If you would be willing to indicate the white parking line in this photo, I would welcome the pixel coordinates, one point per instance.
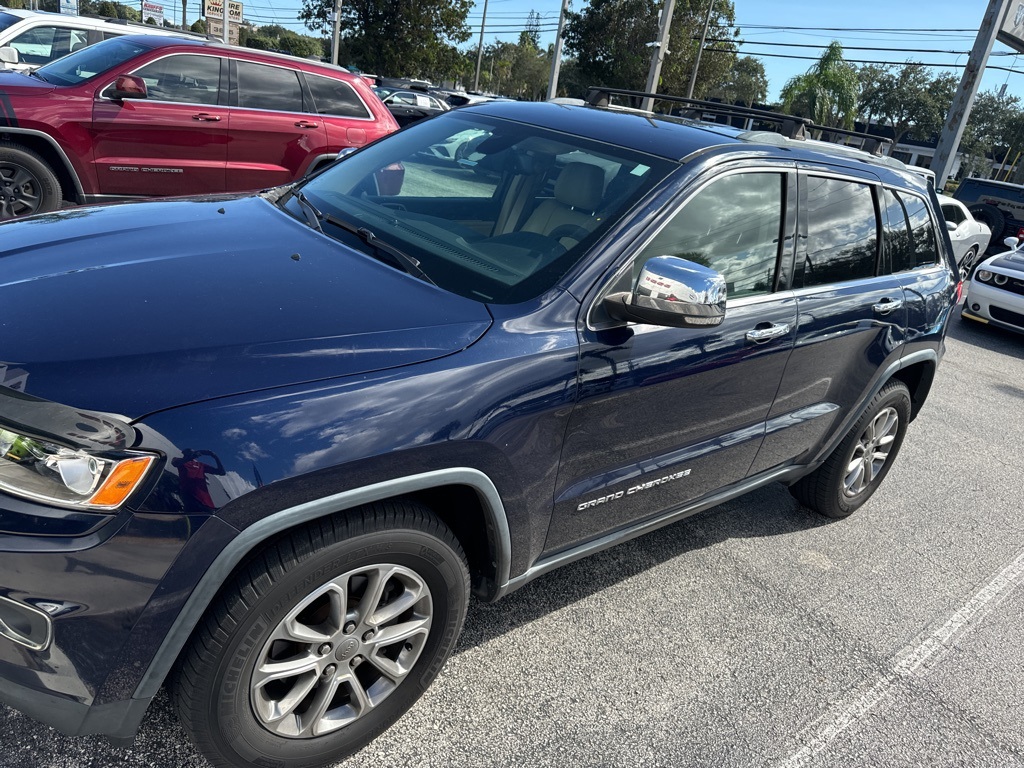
(914, 660)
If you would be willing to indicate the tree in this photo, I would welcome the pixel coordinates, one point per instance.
(610, 41)
(745, 83)
(827, 92)
(911, 100)
(399, 39)
(869, 76)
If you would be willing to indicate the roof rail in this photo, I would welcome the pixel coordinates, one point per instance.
(792, 127)
(872, 143)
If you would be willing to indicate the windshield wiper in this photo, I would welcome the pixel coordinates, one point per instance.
(313, 216)
(398, 258)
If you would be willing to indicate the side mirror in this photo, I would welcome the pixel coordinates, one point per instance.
(127, 87)
(1011, 242)
(951, 226)
(8, 55)
(673, 292)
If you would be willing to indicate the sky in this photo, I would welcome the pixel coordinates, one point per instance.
(940, 32)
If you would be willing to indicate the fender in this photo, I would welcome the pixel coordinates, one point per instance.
(255, 534)
(68, 165)
(883, 377)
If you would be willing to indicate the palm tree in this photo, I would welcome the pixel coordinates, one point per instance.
(827, 92)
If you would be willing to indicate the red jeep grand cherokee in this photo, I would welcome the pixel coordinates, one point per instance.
(143, 115)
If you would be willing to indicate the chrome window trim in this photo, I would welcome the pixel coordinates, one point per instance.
(784, 167)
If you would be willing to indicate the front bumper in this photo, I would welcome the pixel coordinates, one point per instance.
(989, 304)
(111, 596)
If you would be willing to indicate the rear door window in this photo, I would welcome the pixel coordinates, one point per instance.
(264, 87)
(842, 233)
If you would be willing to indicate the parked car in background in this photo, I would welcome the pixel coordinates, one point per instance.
(35, 38)
(997, 204)
(409, 106)
(144, 116)
(283, 437)
(970, 238)
(995, 294)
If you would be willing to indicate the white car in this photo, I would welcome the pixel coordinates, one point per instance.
(969, 236)
(30, 39)
(995, 294)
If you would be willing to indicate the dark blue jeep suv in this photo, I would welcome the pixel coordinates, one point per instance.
(263, 448)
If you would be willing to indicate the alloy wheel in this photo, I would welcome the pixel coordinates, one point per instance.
(871, 451)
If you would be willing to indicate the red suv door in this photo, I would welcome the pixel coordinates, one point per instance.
(275, 131)
(173, 142)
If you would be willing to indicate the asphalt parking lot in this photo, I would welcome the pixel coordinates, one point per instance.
(755, 634)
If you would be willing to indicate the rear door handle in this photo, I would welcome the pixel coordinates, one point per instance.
(887, 305)
(306, 124)
(206, 117)
(770, 331)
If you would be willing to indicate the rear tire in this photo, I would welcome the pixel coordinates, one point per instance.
(324, 640)
(857, 467)
(967, 264)
(27, 183)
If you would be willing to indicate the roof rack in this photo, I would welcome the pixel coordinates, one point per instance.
(791, 126)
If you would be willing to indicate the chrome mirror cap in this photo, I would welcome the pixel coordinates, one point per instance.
(674, 292)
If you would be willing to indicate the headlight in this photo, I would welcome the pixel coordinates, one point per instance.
(55, 474)
(984, 275)
(1000, 279)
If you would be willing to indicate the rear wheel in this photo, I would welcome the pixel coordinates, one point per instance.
(324, 640)
(968, 263)
(27, 184)
(857, 467)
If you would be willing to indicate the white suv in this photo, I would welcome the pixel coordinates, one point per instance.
(30, 39)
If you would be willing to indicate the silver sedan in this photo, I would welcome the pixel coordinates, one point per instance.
(969, 236)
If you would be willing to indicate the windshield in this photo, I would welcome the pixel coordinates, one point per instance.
(89, 62)
(491, 209)
(7, 19)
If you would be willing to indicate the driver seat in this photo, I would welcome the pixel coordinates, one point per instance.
(569, 215)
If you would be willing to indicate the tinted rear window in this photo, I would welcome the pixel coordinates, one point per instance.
(334, 97)
(265, 87)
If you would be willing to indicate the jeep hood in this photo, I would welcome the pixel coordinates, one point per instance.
(18, 84)
(135, 308)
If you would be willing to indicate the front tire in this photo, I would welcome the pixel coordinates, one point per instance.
(857, 467)
(325, 639)
(27, 184)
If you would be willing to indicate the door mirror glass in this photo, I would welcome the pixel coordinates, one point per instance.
(674, 292)
(128, 87)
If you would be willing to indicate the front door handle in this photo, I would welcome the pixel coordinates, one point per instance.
(887, 305)
(206, 117)
(767, 331)
(306, 124)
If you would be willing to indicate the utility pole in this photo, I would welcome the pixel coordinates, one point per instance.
(960, 109)
(336, 37)
(658, 56)
(184, 18)
(556, 60)
(700, 50)
(480, 50)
